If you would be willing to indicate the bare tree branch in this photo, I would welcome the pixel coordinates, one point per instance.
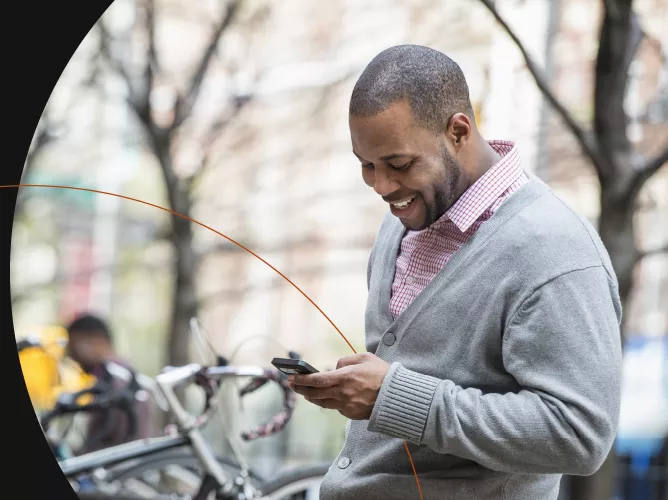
(217, 127)
(138, 103)
(651, 166)
(185, 104)
(653, 251)
(656, 45)
(107, 51)
(150, 68)
(583, 137)
(654, 164)
(620, 38)
(49, 130)
(212, 134)
(152, 53)
(43, 137)
(277, 282)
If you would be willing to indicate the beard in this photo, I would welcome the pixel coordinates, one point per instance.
(446, 193)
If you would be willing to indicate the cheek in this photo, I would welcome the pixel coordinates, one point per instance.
(368, 176)
(421, 181)
(82, 351)
(435, 180)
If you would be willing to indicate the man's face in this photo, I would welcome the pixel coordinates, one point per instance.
(84, 350)
(404, 162)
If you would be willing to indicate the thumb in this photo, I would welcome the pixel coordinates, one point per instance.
(353, 359)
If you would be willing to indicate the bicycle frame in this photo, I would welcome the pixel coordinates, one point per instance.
(187, 426)
(72, 467)
(168, 381)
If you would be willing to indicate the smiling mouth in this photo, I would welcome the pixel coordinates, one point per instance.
(402, 205)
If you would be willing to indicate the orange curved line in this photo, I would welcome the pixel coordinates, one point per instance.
(230, 240)
(410, 457)
(198, 223)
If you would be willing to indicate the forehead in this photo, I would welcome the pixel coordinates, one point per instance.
(391, 131)
(85, 335)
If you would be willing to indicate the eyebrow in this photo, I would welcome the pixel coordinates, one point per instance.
(387, 157)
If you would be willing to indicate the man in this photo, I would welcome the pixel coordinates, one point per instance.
(90, 344)
(492, 321)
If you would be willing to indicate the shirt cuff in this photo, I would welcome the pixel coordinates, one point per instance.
(403, 403)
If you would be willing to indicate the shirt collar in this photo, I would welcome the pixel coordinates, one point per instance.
(483, 192)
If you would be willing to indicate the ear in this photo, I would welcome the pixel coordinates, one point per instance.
(459, 130)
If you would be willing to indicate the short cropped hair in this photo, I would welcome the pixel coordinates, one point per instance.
(89, 324)
(431, 82)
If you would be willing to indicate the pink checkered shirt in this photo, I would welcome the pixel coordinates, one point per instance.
(424, 253)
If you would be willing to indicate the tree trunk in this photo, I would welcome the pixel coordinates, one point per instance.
(616, 228)
(184, 305)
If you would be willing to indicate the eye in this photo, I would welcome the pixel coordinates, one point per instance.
(402, 167)
(367, 165)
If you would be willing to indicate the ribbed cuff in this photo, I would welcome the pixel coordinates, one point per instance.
(403, 403)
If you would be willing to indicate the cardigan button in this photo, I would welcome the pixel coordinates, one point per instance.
(343, 462)
(389, 339)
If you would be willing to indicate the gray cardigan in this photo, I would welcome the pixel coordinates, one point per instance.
(505, 371)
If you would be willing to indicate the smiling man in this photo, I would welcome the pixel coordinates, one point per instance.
(492, 320)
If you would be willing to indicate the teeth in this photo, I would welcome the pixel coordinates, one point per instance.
(402, 204)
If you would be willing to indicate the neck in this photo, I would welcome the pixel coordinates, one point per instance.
(486, 158)
(483, 157)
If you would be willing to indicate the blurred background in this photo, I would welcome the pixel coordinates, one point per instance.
(234, 113)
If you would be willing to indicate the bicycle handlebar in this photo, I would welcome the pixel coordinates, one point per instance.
(278, 421)
(106, 397)
(208, 377)
(67, 404)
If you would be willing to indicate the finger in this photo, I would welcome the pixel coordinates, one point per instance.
(325, 379)
(328, 404)
(353, 359)
(319, 392)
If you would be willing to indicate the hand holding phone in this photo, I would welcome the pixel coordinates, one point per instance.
(293, 366)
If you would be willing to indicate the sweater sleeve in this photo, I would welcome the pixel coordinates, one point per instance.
(563, 348)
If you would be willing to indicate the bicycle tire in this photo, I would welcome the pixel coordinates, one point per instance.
(290, 485)
(96, 495)
(179, 458)
(170, 457)
(302, 483)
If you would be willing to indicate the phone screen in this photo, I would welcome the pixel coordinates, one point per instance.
(293, 371)
(292, 367)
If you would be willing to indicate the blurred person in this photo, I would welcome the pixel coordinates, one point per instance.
(493, 314)
(90, 344)
(47, 372)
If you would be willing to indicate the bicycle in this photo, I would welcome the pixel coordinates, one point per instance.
(100, 397)
(182, 465)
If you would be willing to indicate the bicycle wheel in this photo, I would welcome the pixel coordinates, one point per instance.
(174, 474)
(299, 484)
(177, 475)
(97, 495)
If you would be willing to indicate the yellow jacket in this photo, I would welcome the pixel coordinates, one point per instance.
(47, 371)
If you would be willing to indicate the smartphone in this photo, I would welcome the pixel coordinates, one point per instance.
(293, 366)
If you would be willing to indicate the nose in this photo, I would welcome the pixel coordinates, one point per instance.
(383, 183)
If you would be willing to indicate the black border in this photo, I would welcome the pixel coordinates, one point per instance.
(50, 33)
